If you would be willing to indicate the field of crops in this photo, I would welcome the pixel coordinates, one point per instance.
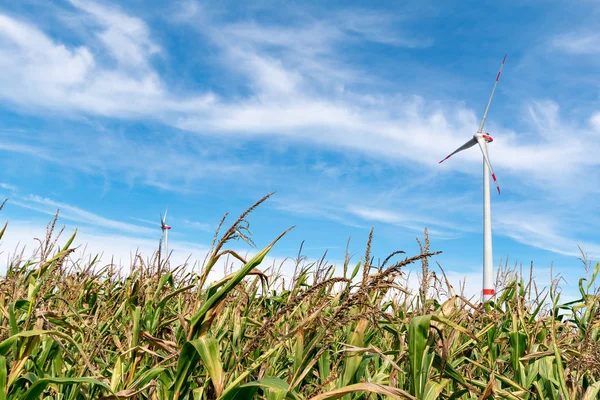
(80, 330)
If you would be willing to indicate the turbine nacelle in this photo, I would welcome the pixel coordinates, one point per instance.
(482, 140)
(484, 136)
(163, 221)
(165, 230)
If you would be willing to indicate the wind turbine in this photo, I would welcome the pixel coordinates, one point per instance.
(165, 230)
(482, 140)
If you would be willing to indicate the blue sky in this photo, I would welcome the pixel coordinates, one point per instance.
(111, 111)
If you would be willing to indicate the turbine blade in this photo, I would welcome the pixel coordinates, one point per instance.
(465, 146)
(166, 211)
(491, 96)
(486, 157)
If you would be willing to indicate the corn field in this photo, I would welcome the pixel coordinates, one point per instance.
(77, 329)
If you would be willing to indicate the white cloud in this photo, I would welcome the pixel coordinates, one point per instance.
(127, 38)
(294, 72)
(202, 226)
(76, 214)
(379, 28)
(436, 227)
(114, 246)
(595, 121)
(8, 187)
(578, 43)
(41, 73)
(544, 232)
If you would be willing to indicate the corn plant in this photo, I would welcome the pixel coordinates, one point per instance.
(76, 329)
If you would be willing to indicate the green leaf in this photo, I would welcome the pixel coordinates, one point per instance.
(324, 367)
(240, 393)
(518, 343)
(433, 389)
(355, 271)
(210, 353)
(3, 375)
(70, 241)
(454, 325)
(447, 369)
(418, 332)
(594, 275)
(198, 318)
(7, 343)
(274, 388)
(117, 375)
(3, 230)
(357, 339)
(368, 387)
(208, 350)
(38, 387)
(135, 334)
(187, 357)
(592, 392)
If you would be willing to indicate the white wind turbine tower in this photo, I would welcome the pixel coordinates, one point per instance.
(165, 231)
(482, 140)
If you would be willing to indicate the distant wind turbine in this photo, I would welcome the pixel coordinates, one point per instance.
(165, 231)
(482, 140)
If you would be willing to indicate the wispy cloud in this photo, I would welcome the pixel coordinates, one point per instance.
(299, 84)
(174, 164)
(578, 43)
(126, 38)
(201, 226)
(545, 232)
(42, 73)
(78, 215)
(8, 187)
(437, 227)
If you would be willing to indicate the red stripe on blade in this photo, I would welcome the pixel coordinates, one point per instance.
(444, 160)
(489, 292)
(504, 59)
(498, 77)
(494, 176)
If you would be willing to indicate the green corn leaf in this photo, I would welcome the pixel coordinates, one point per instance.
(366, 387)
(594, 274)
(418, 332)
(3, 230)
(38, 387)
(355, 270)
(324, 367)
(592, 392)
(70, 241)
(447, 369)
(518, 342)
(454, 325)
(198, 318)
(204, 348)
(6, 344)
(117, 375)
(298, 350)
(3, 376)
(135, 333)
(357, 339)
(434, 389)
(274, 388)
(210, 353)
